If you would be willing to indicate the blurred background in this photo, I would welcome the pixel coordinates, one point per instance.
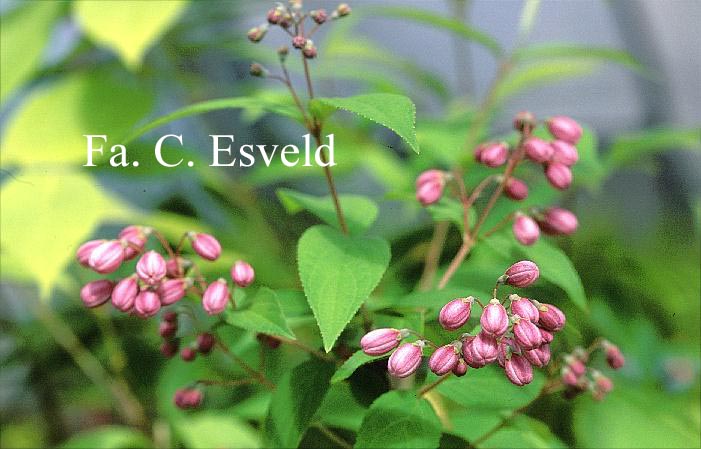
(628, 70)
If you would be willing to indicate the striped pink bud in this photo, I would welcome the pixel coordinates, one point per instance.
(205, 245)
(558, 175)
(443, 360)
(151, 268)
(107, 257)
(518, 370)
(494, 319)
(134, 239)
(96, 293)
(565, 128)
(522, 274)
(492, 154)
(564, 153)
(124, 294)
(558, 221)
(405, 360)
(539, 357)
(380, 341)
(429, 186)
(84, 251)
(460, 368)
(546, 336)
(242, 273)
(175, 267)
(455, 314)
(480, 350)
(516, 189)
(173, 290)
(538, 150)
(614, 356)
(550, 317)
(147, 304)
(524, 308)
(526, 230)
(216, 297)
(526, 334)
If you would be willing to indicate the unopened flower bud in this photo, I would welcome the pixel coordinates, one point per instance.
(258, 70)
(205, 342)
(107, 257)
(558, 221)
(405, 360)
(309, 50)
(524, 308)
(169, 348)
(173, 290)
(342, 10)
(526, 230)
(602, 386)
(188, 354)
(170, 316)
(151, 268)
(577, 366)
(551, 318)
(516, 189)
(538, 150)
(134, 239)
(494, 319)
(216, 297)
(614, 356)
(275, 15)
(569, 377)
(460, 368)
(176, 266)
(558, 175)
(480, 350)
(527, 334)
(96, 293)
(206, 246)
(256, 34)
(429, 186)
(522, 274)
(518, 370)
(282, 52)
(167, 329)
(565, 128)
(187, 398)
(124, 294)
(443, 360)
(84, 251)
(299, 41)
(147, 304)
(523, 120)
(319, 16)
(455, 314)
(546, 336)
(380, 341)
(539, 356)
(492, 154)
(564, 153)
(242, 273)
(506, 346)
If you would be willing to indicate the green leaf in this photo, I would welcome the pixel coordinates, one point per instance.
(523, 432)
(631, 147)
(98, 102)
(338, 273)
(359, 211)
(454, 26)
(358, 359)
(262, 313)
(555, 266)
(547, 51)
(250, 103)
(108, 437)
(449, 209)
(20, 51)
(392, 111)
(399, 419)
(544, 73)
(295, 401)
(128, 27)
(341, 408)
(215, 429)
(39, 245)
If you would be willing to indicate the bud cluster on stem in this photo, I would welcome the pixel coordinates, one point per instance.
(577, 377)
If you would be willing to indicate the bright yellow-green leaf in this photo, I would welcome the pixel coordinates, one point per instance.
(129, 27)
(20, 51)
(45, 217)
(50, 126)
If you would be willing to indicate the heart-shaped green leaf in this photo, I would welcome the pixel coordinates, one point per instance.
(262, 314)
(338, 273)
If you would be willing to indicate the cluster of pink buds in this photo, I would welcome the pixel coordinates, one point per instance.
(551, 221)
(157, 282)
(578, 377)
(516, 337)
(291, 18)
(188, 398)
(168, 329)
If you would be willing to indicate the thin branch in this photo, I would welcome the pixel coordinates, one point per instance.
(331, 435)
(433, 385)
(246, 367)
(433, 255)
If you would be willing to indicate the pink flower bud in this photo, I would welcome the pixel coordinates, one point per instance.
(167, 329)
(602, 383)
(187, 398)
(522, 274)
(318, 15)
(569, 377)
(559, 175)
(523, 120)
(538, 150)
(575, 365)
(506, 347)
(205, 246)
(275, 15)
(147, 304)
(443, 360)
(299, 41)
(188, 354)
(216, 297)
(565, 128)
(96, 293)
(429, 186)
(524, 308)
(256, 34)
(205, 343)
(558, 221)
(124, 294)
(309, 51)
(551, 318)
(539, 356)
(242, 273)
(380, 341)
(107, 257)
(169, 348)
(455, 314)
(492, 154)
(480, 350)
(564, 153)
(527, 334)
(518, 370)
(614, 356)
(405, 360)
(151, 268)
(175, 267)
(494, 319)
(173, 290)
(133, 239)
(170, 316)
(516, 189)
(546, 336)
(83, 253)
(460, 368)
(526, 230)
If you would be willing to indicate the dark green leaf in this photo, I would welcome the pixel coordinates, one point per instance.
(355, 361)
